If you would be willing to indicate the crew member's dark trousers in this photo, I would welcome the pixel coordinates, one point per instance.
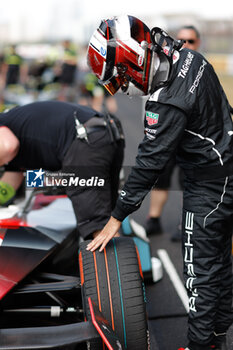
(98, 163)
(207, 242)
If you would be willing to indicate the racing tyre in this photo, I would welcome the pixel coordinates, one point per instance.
(113, 279)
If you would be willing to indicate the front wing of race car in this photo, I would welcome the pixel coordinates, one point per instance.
(40, 260)
(47, 337)
(62, 335)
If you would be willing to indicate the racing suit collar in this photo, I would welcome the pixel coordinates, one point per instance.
(162, 73)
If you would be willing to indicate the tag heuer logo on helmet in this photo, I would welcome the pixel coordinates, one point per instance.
(152, 118)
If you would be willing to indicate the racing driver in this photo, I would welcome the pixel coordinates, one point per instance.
(187, 112)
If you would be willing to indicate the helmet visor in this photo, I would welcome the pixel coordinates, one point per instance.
(114, 84)
(119, 80)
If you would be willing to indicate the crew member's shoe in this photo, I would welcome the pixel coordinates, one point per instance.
(193, 346)
(218, 343)
(153, 226)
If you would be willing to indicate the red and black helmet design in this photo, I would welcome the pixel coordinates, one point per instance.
(118, 54)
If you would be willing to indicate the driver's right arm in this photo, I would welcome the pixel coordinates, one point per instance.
(9, 145)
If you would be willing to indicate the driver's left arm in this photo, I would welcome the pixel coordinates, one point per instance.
(164, 128)
(158, 146)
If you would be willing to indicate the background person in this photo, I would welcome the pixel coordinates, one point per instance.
(68, 71)
(94, 95)
(191, 36)
(14, 70)
(177, 118)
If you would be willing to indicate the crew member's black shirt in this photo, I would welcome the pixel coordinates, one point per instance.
(45, 131)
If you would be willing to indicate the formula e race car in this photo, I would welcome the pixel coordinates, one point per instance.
(56, 294)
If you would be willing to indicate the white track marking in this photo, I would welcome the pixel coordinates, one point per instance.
(174, 277)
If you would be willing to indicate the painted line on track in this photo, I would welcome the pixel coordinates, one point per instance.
(174, 277)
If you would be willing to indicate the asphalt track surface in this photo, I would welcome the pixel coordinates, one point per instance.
(167, 308)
